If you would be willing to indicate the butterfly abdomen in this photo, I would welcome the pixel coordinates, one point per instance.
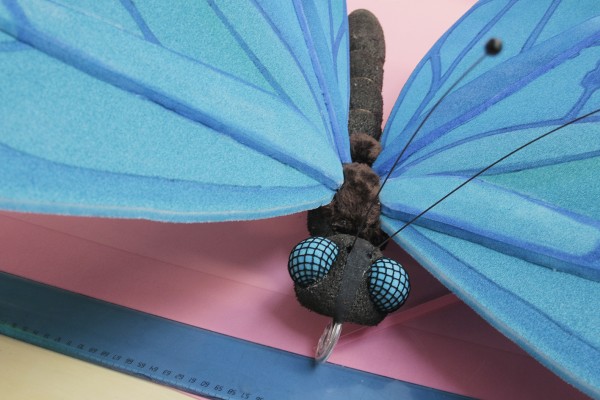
(347, 212)
(367, 55)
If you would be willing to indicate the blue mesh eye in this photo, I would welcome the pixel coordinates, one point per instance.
(311, 260)
(388, 285)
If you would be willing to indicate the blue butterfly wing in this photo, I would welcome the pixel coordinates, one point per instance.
(550, 34)
(521, 243)
(112, 109)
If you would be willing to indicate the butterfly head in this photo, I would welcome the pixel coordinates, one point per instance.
(348, 283)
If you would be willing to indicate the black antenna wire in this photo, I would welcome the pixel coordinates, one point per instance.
(492, 48)
(486, 169)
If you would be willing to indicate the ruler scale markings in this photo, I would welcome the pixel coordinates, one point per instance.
(178, 355)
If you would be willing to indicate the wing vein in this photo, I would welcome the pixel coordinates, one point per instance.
(540, 26)
(139, 21)
(438, 82)
(255, 60)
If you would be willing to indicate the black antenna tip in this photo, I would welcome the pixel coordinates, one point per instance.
(493, 46)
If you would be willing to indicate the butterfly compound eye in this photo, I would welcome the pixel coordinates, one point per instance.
(388, 285)
(311, 260)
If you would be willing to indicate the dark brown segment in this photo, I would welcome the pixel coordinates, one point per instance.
(367, 55)
(318, 221)
(364, 148)
(345, 214)
(366, 33)
(364, 121)
(362, 65)
(343, 293)
(364, 94)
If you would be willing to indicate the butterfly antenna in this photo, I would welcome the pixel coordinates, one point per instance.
(492, 48)
(486, 169)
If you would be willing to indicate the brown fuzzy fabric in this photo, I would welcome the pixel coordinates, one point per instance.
(345, 214)
(364, 149)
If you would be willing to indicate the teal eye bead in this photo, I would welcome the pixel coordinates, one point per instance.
(388, 285)
(311, 260)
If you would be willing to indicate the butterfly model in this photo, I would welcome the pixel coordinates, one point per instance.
(217, 110)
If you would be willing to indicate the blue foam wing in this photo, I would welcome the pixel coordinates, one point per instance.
(521, 243)
(496, 97)
(110, 109)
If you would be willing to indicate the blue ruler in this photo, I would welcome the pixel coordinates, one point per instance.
(178, 355)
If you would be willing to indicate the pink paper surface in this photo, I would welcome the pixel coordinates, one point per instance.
(232, 277)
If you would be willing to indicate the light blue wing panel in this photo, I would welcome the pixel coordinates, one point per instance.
(520, 223)
(327, 28)
(546, 74)
(521, 243)
(99, 117)
(552, 315)
(268, 43)
(333, 15)
(522, 249)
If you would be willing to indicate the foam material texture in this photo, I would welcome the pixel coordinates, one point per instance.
(501, 219)
(551, 314)
(111, 109)
(95, 97)
(521, 243)
(532, 86)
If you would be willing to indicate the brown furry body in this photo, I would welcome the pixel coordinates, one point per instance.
(346, 214)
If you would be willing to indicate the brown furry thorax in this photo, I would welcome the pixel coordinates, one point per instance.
(347, 213)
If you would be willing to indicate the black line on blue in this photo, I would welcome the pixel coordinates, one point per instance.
(513, 299)
(389, 173)
(483, 170)
(500, 131)
(436, 50)
(476, 40)
(444, 79)
(460, 119)
(459, 58)
(505, 169)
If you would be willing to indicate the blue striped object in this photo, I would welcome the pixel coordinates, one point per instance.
(184, 357)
